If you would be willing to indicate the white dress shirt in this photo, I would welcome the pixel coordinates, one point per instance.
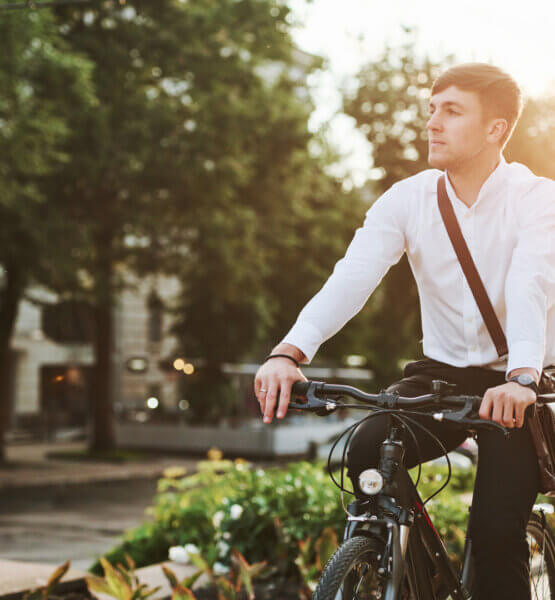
(510, 232)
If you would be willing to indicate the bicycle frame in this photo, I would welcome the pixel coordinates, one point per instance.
(405, 529)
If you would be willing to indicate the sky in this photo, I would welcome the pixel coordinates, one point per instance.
(519, 37)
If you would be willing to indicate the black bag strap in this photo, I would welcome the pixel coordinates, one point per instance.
(469, 269)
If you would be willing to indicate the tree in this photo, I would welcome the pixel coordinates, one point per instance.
(158, 169)
(40, 77)
(533, 140)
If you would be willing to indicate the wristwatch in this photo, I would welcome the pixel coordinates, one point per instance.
(526, 380)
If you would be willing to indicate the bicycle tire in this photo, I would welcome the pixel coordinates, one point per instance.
(541, 545)
(340, 576)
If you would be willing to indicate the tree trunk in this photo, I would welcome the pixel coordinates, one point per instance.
(102, 437)
(9, 303)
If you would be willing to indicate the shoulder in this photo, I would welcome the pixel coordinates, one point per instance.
(526, 185)
(422, 182)
(400, 201)
(533, 197)
(410, 190)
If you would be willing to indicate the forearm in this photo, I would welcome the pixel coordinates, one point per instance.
(291, 350)
(528, 370)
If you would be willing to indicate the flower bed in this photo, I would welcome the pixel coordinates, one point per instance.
(275, 515)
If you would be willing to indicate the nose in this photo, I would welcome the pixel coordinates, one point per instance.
(433, 123)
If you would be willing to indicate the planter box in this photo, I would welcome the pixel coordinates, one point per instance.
(250, 439)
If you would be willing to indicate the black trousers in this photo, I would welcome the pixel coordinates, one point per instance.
(507, 478)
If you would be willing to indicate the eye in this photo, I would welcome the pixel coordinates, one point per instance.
(452, 112)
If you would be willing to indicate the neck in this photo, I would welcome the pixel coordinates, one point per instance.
(468, 177)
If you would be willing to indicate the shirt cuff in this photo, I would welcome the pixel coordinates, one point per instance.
(524, 354)
(305, 337)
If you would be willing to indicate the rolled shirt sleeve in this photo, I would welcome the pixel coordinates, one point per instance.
(530, 283)
(376, 246)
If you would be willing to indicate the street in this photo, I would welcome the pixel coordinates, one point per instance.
(76, 522)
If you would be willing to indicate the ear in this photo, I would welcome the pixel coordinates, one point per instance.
(497, 129)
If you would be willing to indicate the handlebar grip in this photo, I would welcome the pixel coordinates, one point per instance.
(300, 388)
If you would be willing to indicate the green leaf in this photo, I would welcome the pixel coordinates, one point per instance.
(325, 547)
(56, 577)
(225, 589)
(181, 593)
(99, 585)
(120, 588)
(188, 582)
(170, 576)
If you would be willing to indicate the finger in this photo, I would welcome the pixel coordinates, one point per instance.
(271, 396)
(497, 412)
(520, 409)
(284, 397)
(260, 386)
(508, 413)
(485, 406)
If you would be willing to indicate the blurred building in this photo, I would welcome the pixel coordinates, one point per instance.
(52, 386)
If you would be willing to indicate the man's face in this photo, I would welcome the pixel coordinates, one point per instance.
(457, 130)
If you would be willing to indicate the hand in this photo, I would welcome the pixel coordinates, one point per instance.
(506, 402)
(275, 376)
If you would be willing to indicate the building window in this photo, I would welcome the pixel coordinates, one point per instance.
(155, 317)
(68, 322)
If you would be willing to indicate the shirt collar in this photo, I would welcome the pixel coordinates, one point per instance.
(491, 186)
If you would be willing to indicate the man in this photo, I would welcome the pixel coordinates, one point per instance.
(507, 217)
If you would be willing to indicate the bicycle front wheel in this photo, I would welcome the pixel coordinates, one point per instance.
(542, 559)
(351, 572)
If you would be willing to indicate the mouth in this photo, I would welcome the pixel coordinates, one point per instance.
(436, 143)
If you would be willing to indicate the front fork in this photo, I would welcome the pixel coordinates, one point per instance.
(393, 528)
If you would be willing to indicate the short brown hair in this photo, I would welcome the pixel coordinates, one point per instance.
(498, 92)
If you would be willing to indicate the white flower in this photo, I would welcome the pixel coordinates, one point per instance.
(222, 548)
(226, 535)
(236, 511)
(218, 518)
(260, 472)
(220, 569)
(182, 554)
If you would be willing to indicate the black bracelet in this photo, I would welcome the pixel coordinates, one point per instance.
(282, 356)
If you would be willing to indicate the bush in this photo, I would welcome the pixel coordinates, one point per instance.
(266, 514)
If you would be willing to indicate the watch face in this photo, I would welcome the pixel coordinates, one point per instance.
(525, 379)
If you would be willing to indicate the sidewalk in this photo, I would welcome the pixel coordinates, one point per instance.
(29, 467)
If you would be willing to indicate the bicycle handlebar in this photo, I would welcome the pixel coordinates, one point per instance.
(319, 395)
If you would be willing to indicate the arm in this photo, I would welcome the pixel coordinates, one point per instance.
(529, 290)
(530, 284)
(377, 245)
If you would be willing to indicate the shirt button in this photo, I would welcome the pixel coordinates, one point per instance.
(469, 319)
(473, 348)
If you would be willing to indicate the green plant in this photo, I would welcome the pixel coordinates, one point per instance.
(312, 559)
(45, 592)
(275, 515)
(228, 586)
(120, 582)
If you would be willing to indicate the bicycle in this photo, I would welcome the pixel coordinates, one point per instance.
(390, 548)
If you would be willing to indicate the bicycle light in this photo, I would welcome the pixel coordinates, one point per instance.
(370, 481)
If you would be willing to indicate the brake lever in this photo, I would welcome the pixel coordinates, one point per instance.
(462, 417)
(315, 404)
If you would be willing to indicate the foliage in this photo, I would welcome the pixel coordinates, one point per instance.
(120, 582)
(289, 517)
(313, 557)
(533, 140)
(41, 80)
(45, 592)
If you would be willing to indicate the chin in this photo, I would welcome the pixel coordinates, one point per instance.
(437, 162)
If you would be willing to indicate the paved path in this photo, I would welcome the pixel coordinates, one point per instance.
(52, 510)
(28, 466)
